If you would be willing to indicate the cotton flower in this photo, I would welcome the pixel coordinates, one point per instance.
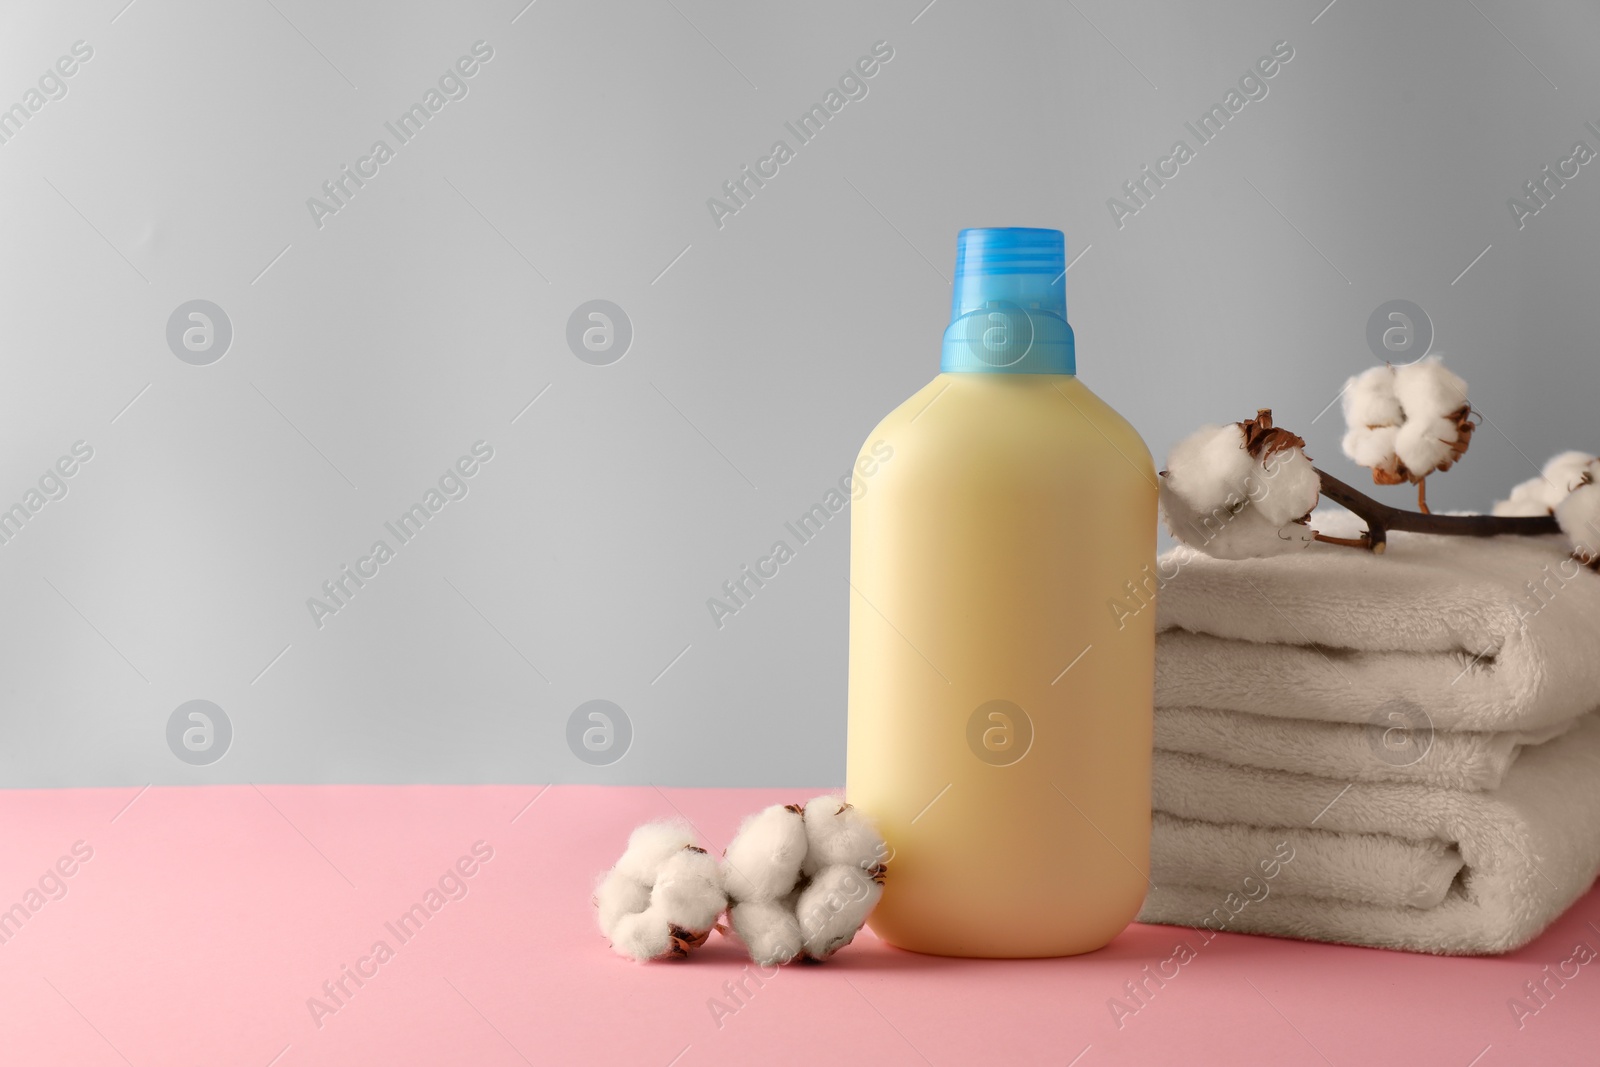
(763, 860)
(1569, 489)
(1579, 516)
(768, 928)
(802, 880)
(837, 834)
(1373, 414)
(1541, 494)
(760, 869)
(834, 906)
(845, 864)
(1210, 467)
(1406, 422)
(1241, 490)
(663, 897)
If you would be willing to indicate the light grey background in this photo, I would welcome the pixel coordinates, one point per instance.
(369, 354)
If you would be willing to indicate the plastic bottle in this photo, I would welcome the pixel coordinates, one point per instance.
(1002, 631)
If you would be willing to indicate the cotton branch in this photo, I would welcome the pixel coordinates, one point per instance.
(1247, 489)
(1381, 518)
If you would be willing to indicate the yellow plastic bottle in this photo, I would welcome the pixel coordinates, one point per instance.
(1002, 631)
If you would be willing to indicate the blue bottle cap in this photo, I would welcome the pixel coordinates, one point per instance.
(1008, 305)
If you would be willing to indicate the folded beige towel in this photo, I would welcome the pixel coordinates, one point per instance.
(1527, 849)
(1377, 752)
(1367, 868)
(1475, 633)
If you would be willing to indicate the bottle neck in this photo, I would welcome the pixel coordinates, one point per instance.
(1003, 338)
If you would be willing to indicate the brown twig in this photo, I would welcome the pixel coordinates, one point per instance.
(1381, 518)
(1349, 542)
(1422, 496)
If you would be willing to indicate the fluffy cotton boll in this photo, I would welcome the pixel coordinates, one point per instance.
(1539, 496)
(1532, 497)
(1369, 399)
(1564, 473)
(1288, 487)
(838, 833)
(1210, 466)
(1426, 444)
(1371, 446)
(1373, 416)
(1428, 389)
(618, 895)
(688, 891)
(1579, 516)
(834, 907)
(1250, 535)
(650, 846)
(642, 936)
(1404, 423)
(769, 930)
(1522, 503)
(663, 896)
(1224, 534)
(1188, 524)
(762, 862)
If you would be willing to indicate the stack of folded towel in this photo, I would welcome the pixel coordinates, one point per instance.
(1413, 731)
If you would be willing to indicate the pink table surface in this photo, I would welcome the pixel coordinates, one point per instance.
(207, 917)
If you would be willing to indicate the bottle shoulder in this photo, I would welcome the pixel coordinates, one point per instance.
(990, 418)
